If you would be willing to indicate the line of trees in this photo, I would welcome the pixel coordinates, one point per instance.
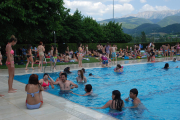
(34, 21)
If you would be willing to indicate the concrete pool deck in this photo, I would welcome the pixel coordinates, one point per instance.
(12, 105)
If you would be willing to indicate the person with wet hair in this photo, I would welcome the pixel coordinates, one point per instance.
(67, 70)
(45, 82)
(81, 78)
(166, 66)
(116, 103)
(10, 62)
(88, 90)
(65, 85)
(83, 70)
(133, 95)
(118, 69)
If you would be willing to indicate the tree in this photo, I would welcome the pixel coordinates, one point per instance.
(30, 20)
(143, 37)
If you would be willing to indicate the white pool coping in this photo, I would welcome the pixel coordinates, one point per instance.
(54, 107)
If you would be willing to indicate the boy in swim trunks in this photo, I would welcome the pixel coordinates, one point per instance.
(133, 94)
(88, 89)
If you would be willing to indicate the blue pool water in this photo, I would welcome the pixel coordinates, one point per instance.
(159, 89)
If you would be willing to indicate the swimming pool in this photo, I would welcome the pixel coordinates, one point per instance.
(159, 89)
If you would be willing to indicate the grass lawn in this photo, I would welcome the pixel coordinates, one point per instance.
(91, 60)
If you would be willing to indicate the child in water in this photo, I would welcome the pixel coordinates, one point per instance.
(88, 89)
(133, 94)
(118, 69)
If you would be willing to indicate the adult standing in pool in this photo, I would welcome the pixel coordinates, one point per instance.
(81, 78)
(80, 55)
(65, 85)
(29, 58)
(41, 50)
(10, 62)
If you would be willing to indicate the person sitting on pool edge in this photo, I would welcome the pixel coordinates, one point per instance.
(81, 78)
(45, 82)
(116, 103)
(119, 69)
(34, 90)
(133, 94)
(65, 85)
(88, 90)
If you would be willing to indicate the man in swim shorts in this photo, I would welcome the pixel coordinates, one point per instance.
(114, 48)
(133, 94)
(65, 85)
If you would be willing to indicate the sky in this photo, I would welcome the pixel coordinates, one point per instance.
(103, 9)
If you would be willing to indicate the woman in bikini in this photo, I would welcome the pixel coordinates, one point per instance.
(10, 62)
(29, 57)
(41, 50)
(80, 55)
(81, 78)
(34, 90)
(45, 82)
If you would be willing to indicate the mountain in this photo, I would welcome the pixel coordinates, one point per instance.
(155, 20)
(177, 14)
(147, 28)
(169, 20)
(154, 14)
(129, 22)
(175, 28)
(153, 28)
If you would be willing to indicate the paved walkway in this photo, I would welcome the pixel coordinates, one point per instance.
(12, 106)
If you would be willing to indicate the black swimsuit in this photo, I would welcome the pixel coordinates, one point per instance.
(28, 56)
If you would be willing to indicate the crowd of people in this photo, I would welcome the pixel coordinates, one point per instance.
(35, 86)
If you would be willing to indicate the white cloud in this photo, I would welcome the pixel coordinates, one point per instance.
(142, 1)
(97, 9)
(148, 7)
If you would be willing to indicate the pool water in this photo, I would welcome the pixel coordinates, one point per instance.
(159, 89)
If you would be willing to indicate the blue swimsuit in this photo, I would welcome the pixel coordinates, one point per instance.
(33, 106)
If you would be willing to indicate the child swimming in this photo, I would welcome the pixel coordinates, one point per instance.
(133, 94)
(88, 89)
(118, 69)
